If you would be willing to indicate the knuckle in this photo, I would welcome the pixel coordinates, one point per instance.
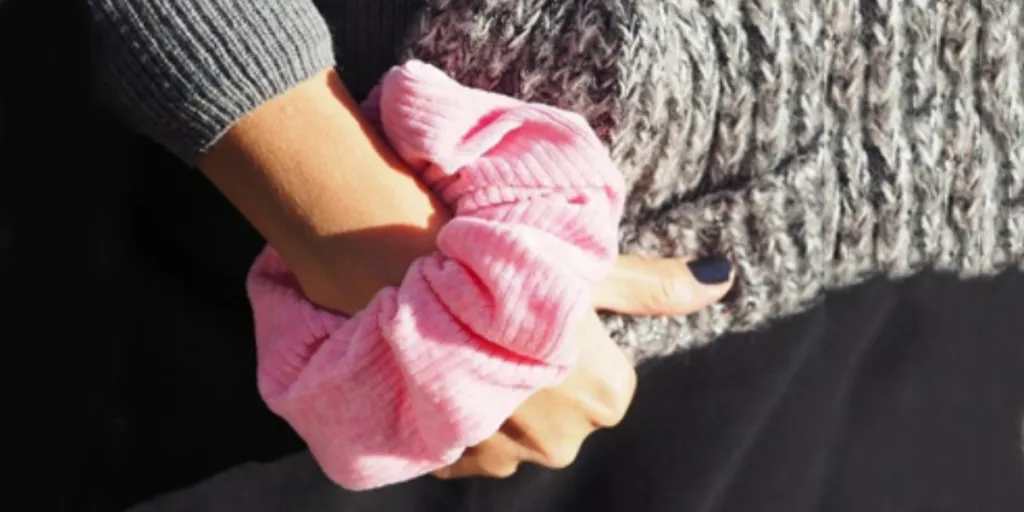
(664, 294)
(503, 469)
(562, 454)
(615, 400)
(618, 412)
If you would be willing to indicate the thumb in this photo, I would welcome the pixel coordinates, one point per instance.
(640, 285)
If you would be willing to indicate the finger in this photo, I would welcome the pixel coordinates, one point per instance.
(554, 423)
(604, 381)
(550, 429)
(640, 285)
(496, 457)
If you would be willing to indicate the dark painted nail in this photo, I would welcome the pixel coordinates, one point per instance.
(711, 270)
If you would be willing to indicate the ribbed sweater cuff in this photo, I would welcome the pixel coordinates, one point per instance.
(184, 71)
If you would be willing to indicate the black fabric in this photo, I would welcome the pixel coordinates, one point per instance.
(128, 334)
(367, 35)
(122, 279)
(887, 397)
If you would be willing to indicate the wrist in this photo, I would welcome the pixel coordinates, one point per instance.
(309, 172)
(343, 272)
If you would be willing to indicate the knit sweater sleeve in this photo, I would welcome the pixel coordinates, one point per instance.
(182, 72)
(438, 363)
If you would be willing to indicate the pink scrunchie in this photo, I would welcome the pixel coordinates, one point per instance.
(438, 363)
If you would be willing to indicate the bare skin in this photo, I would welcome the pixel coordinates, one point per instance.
(311, 175)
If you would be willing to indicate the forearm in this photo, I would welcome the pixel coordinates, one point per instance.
(437, 363)
(320, 185)
(183, 71)
(243, 89)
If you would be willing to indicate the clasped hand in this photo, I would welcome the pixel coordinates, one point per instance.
(551, 426)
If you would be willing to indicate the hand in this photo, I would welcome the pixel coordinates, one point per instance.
(290, 167)
(285, 165)
(551, 426)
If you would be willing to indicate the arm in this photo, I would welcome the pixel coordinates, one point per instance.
(217, 82)
(341, 211)
(246, 91)
(311, 175)
(436, 364)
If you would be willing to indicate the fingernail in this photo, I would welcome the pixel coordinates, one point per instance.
(711, 270)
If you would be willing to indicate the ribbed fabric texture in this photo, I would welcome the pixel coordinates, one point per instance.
(815, 144)
(437, 364)
(184, 71)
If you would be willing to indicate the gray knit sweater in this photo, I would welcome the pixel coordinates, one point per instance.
(815, 143)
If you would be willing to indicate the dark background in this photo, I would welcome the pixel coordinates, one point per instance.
(131, 351)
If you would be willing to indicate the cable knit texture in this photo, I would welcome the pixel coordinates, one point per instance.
(437, 364)
(815, 143)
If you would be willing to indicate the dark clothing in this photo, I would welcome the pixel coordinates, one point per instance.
(887, 397)
(125, 273)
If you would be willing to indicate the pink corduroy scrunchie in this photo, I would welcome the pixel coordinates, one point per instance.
(438, 363)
